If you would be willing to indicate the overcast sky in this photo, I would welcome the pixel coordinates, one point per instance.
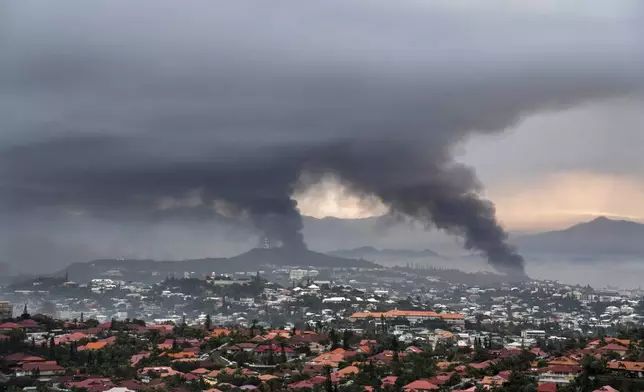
(139, 112)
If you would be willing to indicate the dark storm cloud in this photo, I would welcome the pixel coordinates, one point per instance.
(110, 108)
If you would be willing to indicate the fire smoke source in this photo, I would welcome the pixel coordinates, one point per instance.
(119, 113)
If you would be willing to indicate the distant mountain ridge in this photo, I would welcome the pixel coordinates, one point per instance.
(370, 251)
(601, 236)
(253, 260)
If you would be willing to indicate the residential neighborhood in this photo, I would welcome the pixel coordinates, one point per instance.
(369, 330)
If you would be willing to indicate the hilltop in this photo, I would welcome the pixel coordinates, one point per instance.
(253, 260)
(601, 236)
(369, 252)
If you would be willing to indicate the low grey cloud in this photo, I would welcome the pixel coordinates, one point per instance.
(109, 109)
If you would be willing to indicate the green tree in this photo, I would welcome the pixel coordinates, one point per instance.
(346, 339)
(208, 322)
(328, 383)
(333, 337)
(52, 349)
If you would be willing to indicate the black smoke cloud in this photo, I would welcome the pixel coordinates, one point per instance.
(119, 110)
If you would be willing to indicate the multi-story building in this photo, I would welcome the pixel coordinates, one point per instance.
(6, 310)
(413, 316)
(533, 334)
(301, 274)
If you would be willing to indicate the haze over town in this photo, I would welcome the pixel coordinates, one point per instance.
(229, 126)
(321, 195)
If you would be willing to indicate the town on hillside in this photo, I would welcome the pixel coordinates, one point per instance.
(336, 329)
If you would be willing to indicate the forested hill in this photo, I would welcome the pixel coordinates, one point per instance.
(253, 260)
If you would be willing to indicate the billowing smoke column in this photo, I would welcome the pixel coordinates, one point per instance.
(424, 184)
(113, 111)
(280, 222)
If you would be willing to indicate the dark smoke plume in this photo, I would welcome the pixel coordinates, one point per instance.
(136, 110)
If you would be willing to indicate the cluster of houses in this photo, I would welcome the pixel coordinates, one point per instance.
(259, 356)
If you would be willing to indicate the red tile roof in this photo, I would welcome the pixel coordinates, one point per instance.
(16, 357)
(563, 369)
(45, 366)
(420, 385)
(613, 347)
(10, 326)
(626, 365)
(547, 387)
(389, 380)
(606, 388)
(308, 384)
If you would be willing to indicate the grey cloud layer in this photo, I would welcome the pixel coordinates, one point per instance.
(108, 108)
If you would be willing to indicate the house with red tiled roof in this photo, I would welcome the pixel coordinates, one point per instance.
(547, 387)
(163, 371)
(4, 327)
(136, 358)
(23, 357)
(389, 381)
(598, 342)
(31, 358)
(73, 337)
(480, 365)
(559, 373)
(445, 364)
(493, 380)
(332, 359)
(345, 372)
(461, 370)
(30, 325)
(93, 346)
(606, 388)
(412, 315)
(191, 377)
(453, 319)
(163, 329)
(183, 355)
(634, 368)
(563, 361)
(239, 347)
(263, 350)
(248, 372)
(364, 350)
(386, 357)
(92, 384)
(166, 345)
(307, 384)
(420, 386)
(438, 380)
(613, 348)
(44, 368)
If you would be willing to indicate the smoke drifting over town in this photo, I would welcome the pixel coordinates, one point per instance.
(132, 111)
